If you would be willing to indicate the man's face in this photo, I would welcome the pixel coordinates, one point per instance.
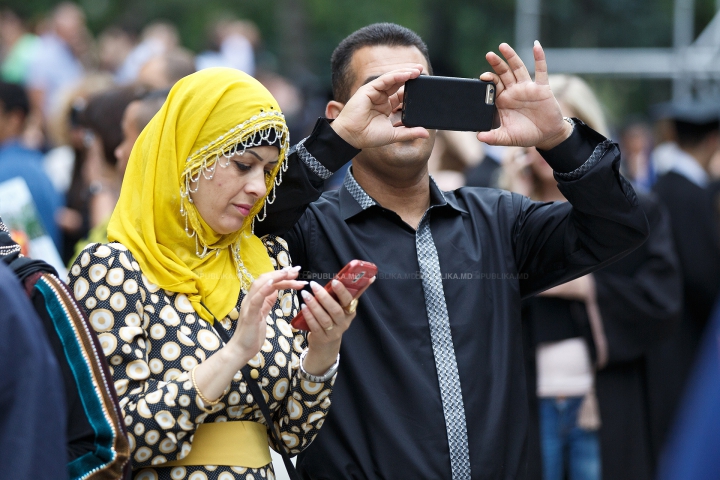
(369, 63)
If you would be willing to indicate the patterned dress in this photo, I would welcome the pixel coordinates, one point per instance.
(152, 338)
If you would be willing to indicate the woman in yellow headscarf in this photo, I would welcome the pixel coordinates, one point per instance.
(183, 270)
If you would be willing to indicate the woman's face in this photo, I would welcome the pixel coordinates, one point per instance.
(225, 200)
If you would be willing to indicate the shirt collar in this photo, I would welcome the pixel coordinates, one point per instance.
(354, 199)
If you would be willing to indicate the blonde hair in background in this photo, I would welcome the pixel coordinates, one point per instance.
(571, 92)
(576, 94)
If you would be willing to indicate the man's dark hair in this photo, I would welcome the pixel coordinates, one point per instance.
(377, 34)
(690, 135)
(13, 97)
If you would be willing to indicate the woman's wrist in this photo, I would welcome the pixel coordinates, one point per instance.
(233, 353)
(326, 375)
(319, 359)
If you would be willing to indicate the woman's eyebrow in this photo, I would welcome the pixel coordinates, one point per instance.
(256, 155)
(260, 158)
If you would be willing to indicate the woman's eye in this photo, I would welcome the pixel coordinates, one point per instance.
(242, 167)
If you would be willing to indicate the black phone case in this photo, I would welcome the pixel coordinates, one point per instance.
(448, 103)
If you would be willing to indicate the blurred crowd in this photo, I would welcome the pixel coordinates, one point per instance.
(620, 342)
(65, 98)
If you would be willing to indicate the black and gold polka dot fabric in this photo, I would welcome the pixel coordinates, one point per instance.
(152, 338)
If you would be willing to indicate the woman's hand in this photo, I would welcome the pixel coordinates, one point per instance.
(367, 119)
(251, 329)
(214, 374)
(327, 320)
(529, 114)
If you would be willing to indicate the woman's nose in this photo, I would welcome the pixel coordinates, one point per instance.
(256, 184)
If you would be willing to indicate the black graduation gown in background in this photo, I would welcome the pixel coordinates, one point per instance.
(640, 301)
(694, 228)
(639, 298)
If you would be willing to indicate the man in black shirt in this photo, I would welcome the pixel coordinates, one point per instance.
(431, 381)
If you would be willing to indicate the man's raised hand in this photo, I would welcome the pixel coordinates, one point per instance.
(529, 114)
(366, 119)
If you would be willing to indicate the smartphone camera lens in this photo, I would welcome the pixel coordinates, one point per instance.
(490, 95)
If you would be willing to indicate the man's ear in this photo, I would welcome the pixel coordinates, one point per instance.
(333, 109)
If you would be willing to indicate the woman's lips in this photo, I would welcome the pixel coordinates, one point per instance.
(244, 209)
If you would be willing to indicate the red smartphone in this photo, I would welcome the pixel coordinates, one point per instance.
(355, 275)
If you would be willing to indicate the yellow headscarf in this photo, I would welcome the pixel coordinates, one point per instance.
(207, 117)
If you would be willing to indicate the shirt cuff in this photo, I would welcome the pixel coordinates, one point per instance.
(572, 153)
(324, 151)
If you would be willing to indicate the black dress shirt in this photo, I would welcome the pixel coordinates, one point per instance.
(493, 248)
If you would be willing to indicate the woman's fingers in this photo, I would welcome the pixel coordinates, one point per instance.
(257, 294)
(267, 285)
(313, 306)
(344, 297)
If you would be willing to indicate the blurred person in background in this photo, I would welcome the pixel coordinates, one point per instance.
(233, 45)
(586, 341)
(163, 70)
(94, 443)
(487, 172)
(156, 39)
(17, 47)
(636, 143)
(61, 59)
(114, 46)
(452, 155)
(17, 160)
(102, 117)
(686, 190)
(65, 163)
(136, 116)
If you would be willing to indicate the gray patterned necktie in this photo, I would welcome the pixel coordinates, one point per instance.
(443, 351)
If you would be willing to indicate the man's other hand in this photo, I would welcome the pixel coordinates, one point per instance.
(529, 114)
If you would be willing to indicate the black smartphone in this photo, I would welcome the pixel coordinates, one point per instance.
(449, 103)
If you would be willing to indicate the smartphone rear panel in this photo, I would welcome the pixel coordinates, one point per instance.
(449, 103)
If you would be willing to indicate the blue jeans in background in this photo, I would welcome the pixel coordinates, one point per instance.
(564, 444)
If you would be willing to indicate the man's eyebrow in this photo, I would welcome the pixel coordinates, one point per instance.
(370, 79)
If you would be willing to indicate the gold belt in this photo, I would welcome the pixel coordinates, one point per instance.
(233, 444)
